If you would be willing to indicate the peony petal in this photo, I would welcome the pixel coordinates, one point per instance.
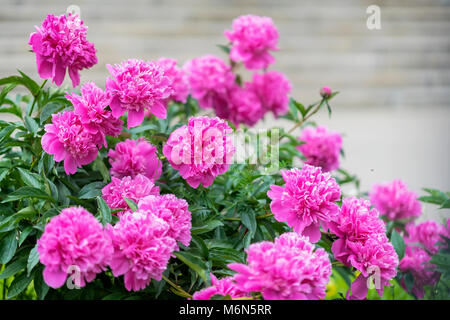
(313, 232)
(135, 118)
(116, 107)
(159, 110)
(70, 165)
(59, 72)
(359, 288)
(74, 76)
(54, 278)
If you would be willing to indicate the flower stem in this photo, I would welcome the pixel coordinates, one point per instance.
(302, 121)
(176, 287)
(36, 97)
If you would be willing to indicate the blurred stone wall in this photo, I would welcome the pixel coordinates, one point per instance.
(394, 105)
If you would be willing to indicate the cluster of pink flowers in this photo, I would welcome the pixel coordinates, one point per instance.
(133, 157)
(427, 235)
(137, 86)
(224, 287)
(307, 200)
(287, 269)
(178, 77)
(363, 244)
(321, 147)
(73, 241)
(75, 136)
(200, 150)
(60, 44)
(252, 37)
(128, 187)
(395, 201)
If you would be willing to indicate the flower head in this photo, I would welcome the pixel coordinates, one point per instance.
(244, 107)
(142, 249)
(73, 239)
(91, 107)
(273, 89)
(133, 157)
(426, 234)
(325, 92)
(252, 37)
(321, 148)
(225, 286)
(172, 210)
(201, 150)
(180, 84)
(67, 139)
(210, 79)
(395, 201)
(60, 44)
(306, 201)
(286, 269)
(132, 188)
(137, 86)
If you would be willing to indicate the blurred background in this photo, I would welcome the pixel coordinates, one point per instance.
(394, 103)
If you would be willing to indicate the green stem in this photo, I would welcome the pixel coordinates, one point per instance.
(176, 287)
(302, 121)
(36, 97)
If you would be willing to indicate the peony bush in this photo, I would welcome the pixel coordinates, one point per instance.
(155, 185)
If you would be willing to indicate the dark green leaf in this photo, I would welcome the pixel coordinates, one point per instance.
(398, 243)
(19, 284)
(8, 246)
(33, 259)
(40, 286)
(208, 226)
(30, 179)
(105, 211)
(14, 267)
(27, 192)
(91, 190)
(193, 262)
(133, 205)
(249, 220)
(31, 125)
(48, 110)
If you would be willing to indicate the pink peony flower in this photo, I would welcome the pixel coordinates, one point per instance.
(210, 79)
(375, 258)
(73, 241)
(225, 286)
(179, 79)
(91, 107)
(172, 210)
(201, 150)
(325, 92)
(426, 234)
(60, 44)
(306, 201)
(138, 86)
(252, 37)
(395, 201)
(273, 89)
(416, 261)
(287, 269)
(132, 188)
(321, 147)
(244, 107)
(142, 249)
(67, 139)
(133, 157)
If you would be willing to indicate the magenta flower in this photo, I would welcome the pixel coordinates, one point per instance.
(210, 79)
(252, 37)
(91, 107)
(67, 139)
(244, 107)
(306, 201)
(325, 92)
(172, 210)
(73, 241)
(142, 249)
(201, 150)
(133, 157)
(287, 269)
(416, 261)
(132, 188)
(321, 148)
(60, 44)
(426, 234)
(375, 258)
(180, 83)
(138, 86)
(273, 89)
(225, 286)
(395, 201)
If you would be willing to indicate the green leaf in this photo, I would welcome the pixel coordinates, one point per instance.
(33, 259)
(409, 281)
(6, 132)
(208, 226)
(27, 192)
(133, 205)
(19, 284)
(29, 83)
(105, 211)
(249, 220)
(193, 262)
(30, 179)
(8, 246)
(31, 125)
(14, 267)
(398, 243)
(40, 286)
(297, 105)
(7, 89)
(24, 234)
(224, 48)
(48, 110)
(99, 165)
(13, 108)
(91, 190)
